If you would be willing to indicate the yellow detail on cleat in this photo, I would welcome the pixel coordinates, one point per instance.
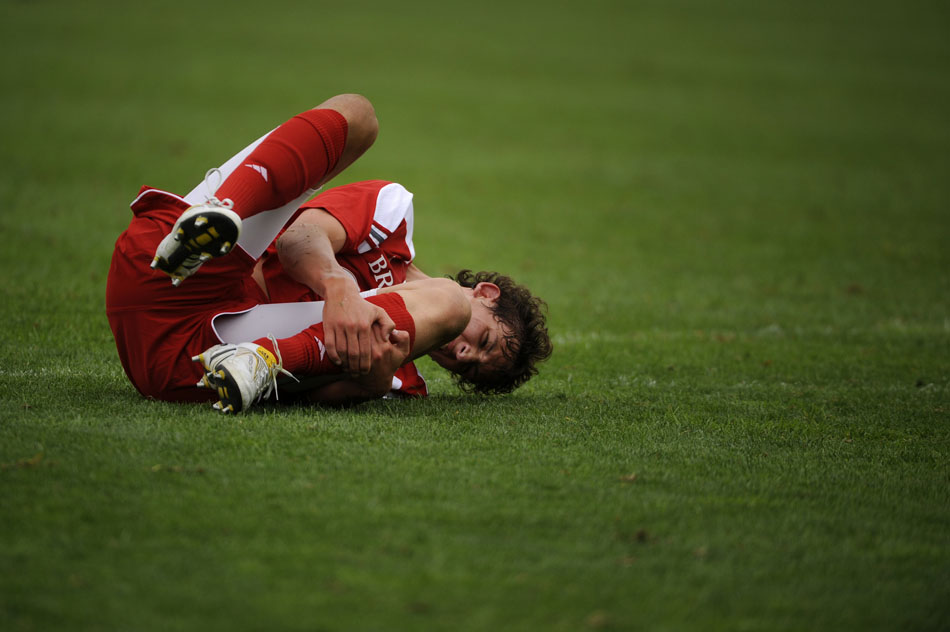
(213, 232)
(203, 239)
(269, 357)
(201, 220)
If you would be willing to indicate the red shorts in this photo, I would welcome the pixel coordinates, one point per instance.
(158, 327)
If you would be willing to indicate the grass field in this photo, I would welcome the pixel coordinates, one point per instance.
(737, 212)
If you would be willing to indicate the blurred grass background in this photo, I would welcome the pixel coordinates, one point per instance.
(737, 212)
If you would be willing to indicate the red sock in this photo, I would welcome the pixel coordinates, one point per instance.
(395, 306)
(305, 354)
(293, 158)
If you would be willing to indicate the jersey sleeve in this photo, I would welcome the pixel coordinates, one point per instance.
(375, 214)
(408, 382)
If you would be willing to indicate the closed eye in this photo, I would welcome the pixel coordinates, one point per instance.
(489, 344)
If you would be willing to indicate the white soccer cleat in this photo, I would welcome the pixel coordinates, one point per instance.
(202, 232)
(242, 374)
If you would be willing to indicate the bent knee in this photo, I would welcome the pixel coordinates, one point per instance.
(360, 116)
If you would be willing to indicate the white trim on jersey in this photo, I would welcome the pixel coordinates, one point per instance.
(393, 205)
(155, 192)
(377, 235)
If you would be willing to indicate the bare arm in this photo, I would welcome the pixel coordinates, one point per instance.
(355, 329)
(439, 309)
(308, 248)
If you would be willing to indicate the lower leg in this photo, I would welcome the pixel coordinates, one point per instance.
(300, 155)
(303, 153)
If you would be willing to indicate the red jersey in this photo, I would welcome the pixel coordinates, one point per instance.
(377, 218)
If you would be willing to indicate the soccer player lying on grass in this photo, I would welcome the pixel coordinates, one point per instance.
(356, 237)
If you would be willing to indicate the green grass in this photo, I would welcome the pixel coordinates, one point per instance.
(737, 212)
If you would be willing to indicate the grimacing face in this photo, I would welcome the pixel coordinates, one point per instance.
(480, 349)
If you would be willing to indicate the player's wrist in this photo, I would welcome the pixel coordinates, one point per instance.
(337, 287)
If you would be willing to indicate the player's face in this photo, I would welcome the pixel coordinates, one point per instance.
(480, 348)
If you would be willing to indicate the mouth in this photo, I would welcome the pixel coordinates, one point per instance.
(447, 350)
(443, 355)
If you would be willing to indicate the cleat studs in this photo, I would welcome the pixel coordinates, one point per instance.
(201, 220)
(225, 248)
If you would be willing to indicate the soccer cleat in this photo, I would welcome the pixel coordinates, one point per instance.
(242, 374)
(202, 232)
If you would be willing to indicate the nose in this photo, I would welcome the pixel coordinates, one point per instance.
(463, 353)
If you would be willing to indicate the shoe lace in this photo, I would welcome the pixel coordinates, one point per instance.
(272, 372)
(212, 200)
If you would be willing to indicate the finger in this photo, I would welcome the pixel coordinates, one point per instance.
(366, 351)
(379, 338)
(401, 340)
(385, 322)
(330, 342)
(354, 353)
(349, 355)
(379, 349)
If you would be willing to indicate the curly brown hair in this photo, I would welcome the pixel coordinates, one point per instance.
(528, 343)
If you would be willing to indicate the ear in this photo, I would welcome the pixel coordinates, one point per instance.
(487, 290)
